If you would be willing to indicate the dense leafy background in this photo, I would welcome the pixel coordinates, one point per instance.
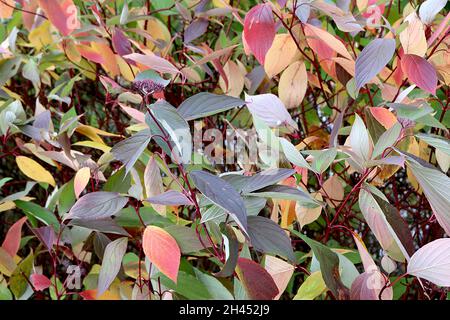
(105, 194)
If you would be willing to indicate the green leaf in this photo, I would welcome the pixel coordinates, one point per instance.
(18, 283)
(387, 225)
(436, 187)
(387, 139)
(187, 285)
(215, 288)
(311, 288)
(176, 129)
(324, 159)
(35, 211)
(411, 111)
(436, 141)
(329, 266)
(293, 155)
(206, 104)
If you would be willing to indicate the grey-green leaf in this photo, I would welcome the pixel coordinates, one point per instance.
(268, 237)
(128, 151)
(205, 104)
(266, 178)
(223, 194)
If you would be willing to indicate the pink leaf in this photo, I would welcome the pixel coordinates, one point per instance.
(40, 282)
(162, 250)
(259, 30)
(81, 180)
(420, 72)
(432, 262)
(153, 62)
(270, 109)
(62, 14)
(12, 240)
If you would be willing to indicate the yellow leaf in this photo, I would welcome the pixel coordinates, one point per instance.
(81, 180)
(413, 37)
(41, 36)
(221, 3)
(308, 215)
(312, 287)
(281, 54)
(235, 77)
(126, 69)
(94, 133)
(159, 33)
(34, 170)
(93, 144)
(293, 84)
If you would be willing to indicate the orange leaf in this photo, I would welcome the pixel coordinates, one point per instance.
(6, 9)
(384, 116)
(162, 250)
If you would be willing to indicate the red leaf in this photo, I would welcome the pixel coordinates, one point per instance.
(40, 282)
(162, 250)
(257, 282)
(420, 72)
(259, 30)
(62, 14)
(12, 240)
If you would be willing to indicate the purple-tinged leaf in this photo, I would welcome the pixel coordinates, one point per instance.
(154, 62)
(266, 178)
(46, 235)
(222, 194)
(171, 198)
(195, 29)
(206, 104)
(432, 262)
(374, 57)
(112, 261)
(97, 205)
(120, 43)
(270, 109)
(268, 237)
(129, 150)
(257, 282)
